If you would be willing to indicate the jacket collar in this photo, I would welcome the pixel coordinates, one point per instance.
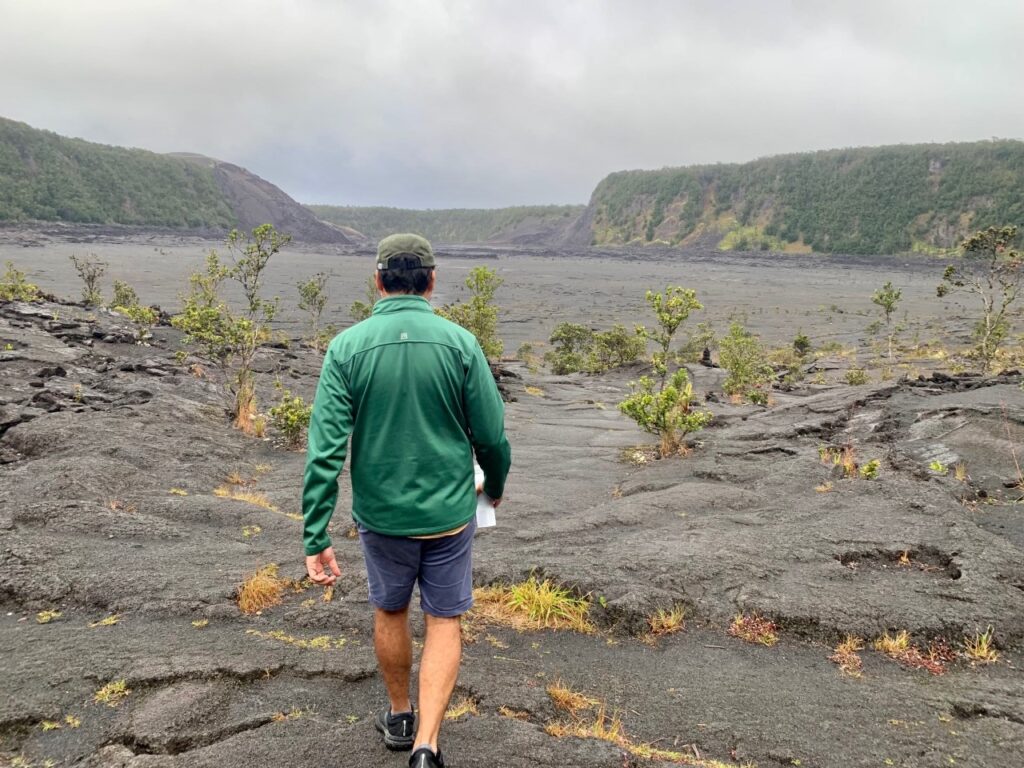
(401, 302)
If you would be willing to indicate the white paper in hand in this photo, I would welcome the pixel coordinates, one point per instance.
(484, 506)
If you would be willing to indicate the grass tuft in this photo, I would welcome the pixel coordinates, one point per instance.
(530, 605)
(755, 629)
(109, 621)
(980, 648)
(664, 622)
(513, 714)
(45, 617)
(568, 700)
(178, 492)
(899, 647)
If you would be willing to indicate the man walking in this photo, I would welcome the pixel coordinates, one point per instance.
(415, 394)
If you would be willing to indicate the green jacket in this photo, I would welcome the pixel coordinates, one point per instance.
(416, 395)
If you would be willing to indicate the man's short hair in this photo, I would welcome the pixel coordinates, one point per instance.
(405, 275)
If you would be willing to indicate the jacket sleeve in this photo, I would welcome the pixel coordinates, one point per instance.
(329, 429)
(486, 414)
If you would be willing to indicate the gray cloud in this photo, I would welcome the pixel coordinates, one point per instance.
(438, 103)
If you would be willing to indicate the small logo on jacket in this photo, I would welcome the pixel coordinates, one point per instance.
(403, 336)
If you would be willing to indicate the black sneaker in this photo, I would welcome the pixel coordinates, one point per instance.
(399, 730)
(424, 757)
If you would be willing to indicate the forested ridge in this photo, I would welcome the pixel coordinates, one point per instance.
(453, 225)
(48, 177)
(923, 197)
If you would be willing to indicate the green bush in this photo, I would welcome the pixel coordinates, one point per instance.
(479, 315)
(126, 301)
(801, 344)
(856, 377)
(666, 411)
(616, 347)
(742, 356)
(313, 300)
(573, 348)
(291, 417)
(14, 286)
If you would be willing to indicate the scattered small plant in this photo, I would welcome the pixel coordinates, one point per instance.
(960, 472)
(479, 315)
(533, 604)
(528, 355)
(569, 700)
(90, 269)
(178, 492)
(754, 629)
(108, 621)
(45, 617)
(201, 623)
(251, 531)
(15, 287)
(847, 657)
(938, 467)
(71, 721)
(900, 648)
(112, 694)
(665, 622)
(824, 487)
(980, 648)
(291, 417)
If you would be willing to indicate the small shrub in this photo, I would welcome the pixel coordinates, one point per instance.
(667, 412)
(573, 346)
(90, 269)
(313, 300)
(615, 348)
(742, 356)
(870, 470)
(14, 286)
(479, 315)
(856, 377)
(938, 467)
(291, 417)
(360, 310)
(527, 353)
(801, 344)
(126, 302)
(888, 298)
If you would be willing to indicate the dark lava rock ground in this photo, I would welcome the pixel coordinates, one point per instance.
(111, 451)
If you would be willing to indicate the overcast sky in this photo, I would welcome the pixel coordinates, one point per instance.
(480, 103)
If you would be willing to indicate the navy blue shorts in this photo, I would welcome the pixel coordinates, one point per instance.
(443, 567)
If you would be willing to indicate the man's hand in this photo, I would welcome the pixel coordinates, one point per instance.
(323, 568)
(494, 502)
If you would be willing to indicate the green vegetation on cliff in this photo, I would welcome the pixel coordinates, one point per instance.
(454, 225)
(49, 177)
(924, 197)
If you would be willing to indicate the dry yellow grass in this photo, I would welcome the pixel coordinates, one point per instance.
(45, 617)
(824, 487)
(893, 645)
(320, 643)
(568, 700)
(847, 657)
(235, 478)
(464, 706)
(178, 492)
(535, 391)
(72, 721)
(201, 623)
(109, 621)
(261, 590)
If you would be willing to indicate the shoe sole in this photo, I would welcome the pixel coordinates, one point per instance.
(394, 743)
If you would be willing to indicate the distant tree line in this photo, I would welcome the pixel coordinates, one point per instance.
(873, 200)
(48, 177)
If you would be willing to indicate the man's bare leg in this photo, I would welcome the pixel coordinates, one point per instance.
(393, 644)
(439, 668)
